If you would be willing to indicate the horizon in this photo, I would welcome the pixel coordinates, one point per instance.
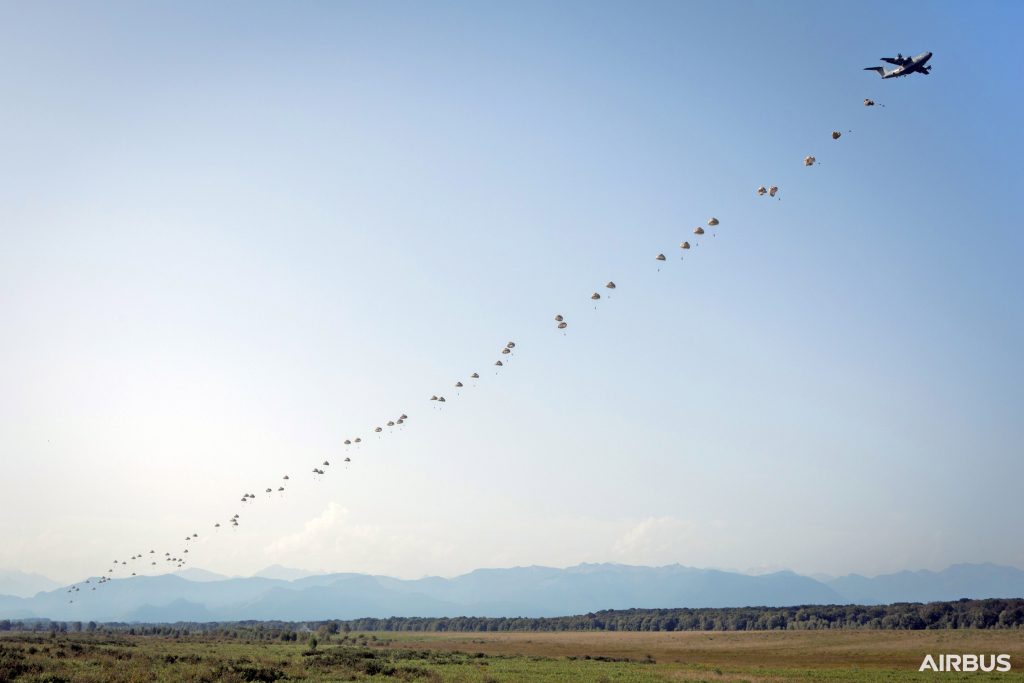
(197, 595)
(184, 573)
(233, 236)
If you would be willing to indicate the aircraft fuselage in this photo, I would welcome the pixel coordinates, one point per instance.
(915, 65)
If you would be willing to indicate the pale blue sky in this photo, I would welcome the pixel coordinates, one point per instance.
(234, 234)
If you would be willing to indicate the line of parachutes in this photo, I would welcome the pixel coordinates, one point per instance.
(178, 560)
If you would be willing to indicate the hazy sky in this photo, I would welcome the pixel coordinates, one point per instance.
(234, 234)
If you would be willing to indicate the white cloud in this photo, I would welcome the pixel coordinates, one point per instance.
(659, 540)
(336, 540)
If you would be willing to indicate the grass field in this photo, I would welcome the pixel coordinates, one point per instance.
(491, 657)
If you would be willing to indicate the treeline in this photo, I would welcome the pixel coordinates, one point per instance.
(981, 614)
(976, 614)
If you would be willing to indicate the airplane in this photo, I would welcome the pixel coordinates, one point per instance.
(904, 65)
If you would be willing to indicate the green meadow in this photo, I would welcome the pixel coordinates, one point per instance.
(488, 658)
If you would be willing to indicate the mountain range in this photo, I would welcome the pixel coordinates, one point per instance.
(279, 593)
(24, 584)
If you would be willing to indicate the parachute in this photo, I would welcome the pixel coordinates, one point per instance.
(684, 245)
(285, 477)
(610, 285)
(433, 398)
(358, 440)
(595, 296)
(698, 230)
(458, 384)
(391, 423)
(403, 416)
(761, 191)
(562, 325)
(326, 464)
(475, 376)
(380, 429)
(510, 345)
(348, 442)
(558, 318)
(836, 135)
(809, 161)
(499, 363)
(772, 190)
(659, 257)
(441, 399)
(869, 103)
(348, 459)
(712, 221)
(269, 491)
(506, 351)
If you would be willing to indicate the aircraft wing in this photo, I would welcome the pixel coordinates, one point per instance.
(898, 61)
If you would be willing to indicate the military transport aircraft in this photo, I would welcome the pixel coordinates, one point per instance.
(904, 65)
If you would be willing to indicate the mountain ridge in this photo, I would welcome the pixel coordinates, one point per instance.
(531, 591)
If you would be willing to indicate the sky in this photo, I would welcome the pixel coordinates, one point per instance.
(234, 234)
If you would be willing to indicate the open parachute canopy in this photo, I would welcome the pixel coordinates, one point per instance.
(595, 296)
(698, 230)
(684, 245)
(558, 318)
(762, 191)
(836, 135)
(809, 161)
(712, 221)
(659, 257)
(772, 190)
(610, 285)
(562, 325)
(868, 103)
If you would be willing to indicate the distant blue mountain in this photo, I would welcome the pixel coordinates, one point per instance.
(518, 591)
(953, 583)
(24, 584)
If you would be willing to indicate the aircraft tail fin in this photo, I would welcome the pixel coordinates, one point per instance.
(879, 69)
